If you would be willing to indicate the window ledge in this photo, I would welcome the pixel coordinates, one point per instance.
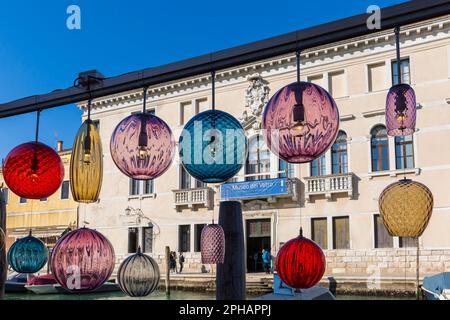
(142, 196)
(394, 173)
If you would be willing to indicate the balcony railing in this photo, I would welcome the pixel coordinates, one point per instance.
(193, 197)
(329, 185)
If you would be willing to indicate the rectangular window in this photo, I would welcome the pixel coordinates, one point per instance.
(318, 167)
(148, 186)
(201, 105)
(337, 84)
(380, 154)
(317, 79)
(184, 238)
(185, 112)
(147, 239)
(404, 69)
(65, 190)
(199, 184)
(134, 187)
(43, 199)
(133, 236)
(341, 233)
(198, 234)
(319, 232)
(6, 195)
(376, 76)
(286, 168)
(404, 153)
(408, 242)
(22, 200)
(185, 179)
(382, 237)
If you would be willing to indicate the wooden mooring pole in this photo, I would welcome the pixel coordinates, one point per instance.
(3, 262)
(167, 271)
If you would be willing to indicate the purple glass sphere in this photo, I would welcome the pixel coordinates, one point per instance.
(82, 260)
(212, 244)
(142, 146)
(401, 110)
(301, 122)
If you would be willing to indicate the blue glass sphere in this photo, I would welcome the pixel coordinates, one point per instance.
(28, 255)
(213, 146)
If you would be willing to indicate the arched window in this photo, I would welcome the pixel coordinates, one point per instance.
(339, 159)
(404, 152)
(379, 145)
(258, 160)
(318, 166)
(285, 167)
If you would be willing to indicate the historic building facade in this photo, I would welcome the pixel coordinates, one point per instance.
(335, 198)
(47, 218)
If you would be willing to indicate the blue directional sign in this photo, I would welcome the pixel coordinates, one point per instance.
(253, 189)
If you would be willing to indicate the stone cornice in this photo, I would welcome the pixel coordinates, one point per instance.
(310, 58)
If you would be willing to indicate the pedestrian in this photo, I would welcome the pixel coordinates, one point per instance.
(175, 261)
(181, 260)
(266, 260)
(172, 262)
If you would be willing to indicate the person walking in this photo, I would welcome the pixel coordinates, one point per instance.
(175, 261)
(172, 262)
(266, 260)
(181, 260)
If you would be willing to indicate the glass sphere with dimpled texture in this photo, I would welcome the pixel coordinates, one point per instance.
(142, 146)
(300, 122)
(213, 146)
(27, 255)
(401, 110)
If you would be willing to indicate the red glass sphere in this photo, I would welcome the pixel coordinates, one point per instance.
(301, 122)
(82, 260)
(401, 110)
(142, 146)
(300, 263)
(33, 170)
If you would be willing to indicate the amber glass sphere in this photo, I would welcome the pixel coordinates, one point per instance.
(300, 263)
(86, 164)
(312, 133)
(138, 275)
(33, 170)
(82, 260)
(405, 207)
(142, 146)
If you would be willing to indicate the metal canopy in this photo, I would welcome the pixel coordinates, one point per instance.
(398, 15)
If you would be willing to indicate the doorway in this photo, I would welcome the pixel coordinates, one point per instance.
(258, 238)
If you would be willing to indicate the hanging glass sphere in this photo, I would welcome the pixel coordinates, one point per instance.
(86, 164)
(33, 170)
(82, 260)
(27, 255)
(142, 146)
(401, 110)
(212, 244)
(405, 207)
(213, 146)
(138, 275)
(301, 122)
(300, 263)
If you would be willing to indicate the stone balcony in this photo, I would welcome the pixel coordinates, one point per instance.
(329, 185)
(193, 198)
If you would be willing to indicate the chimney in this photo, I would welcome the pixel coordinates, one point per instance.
(59, 147)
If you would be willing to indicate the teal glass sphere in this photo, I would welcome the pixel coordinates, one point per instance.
(27, 255)
(213, 146)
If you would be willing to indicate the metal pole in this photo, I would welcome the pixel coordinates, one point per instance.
(417, 272)
(3, 262)
(167, 271)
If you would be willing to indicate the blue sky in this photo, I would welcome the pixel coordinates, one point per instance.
(38, 54)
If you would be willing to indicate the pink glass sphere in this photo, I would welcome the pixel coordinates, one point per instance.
(401, 110)
(300, 141)
(82, 260)
(212, 244)
(142, 146)
(33, 170)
